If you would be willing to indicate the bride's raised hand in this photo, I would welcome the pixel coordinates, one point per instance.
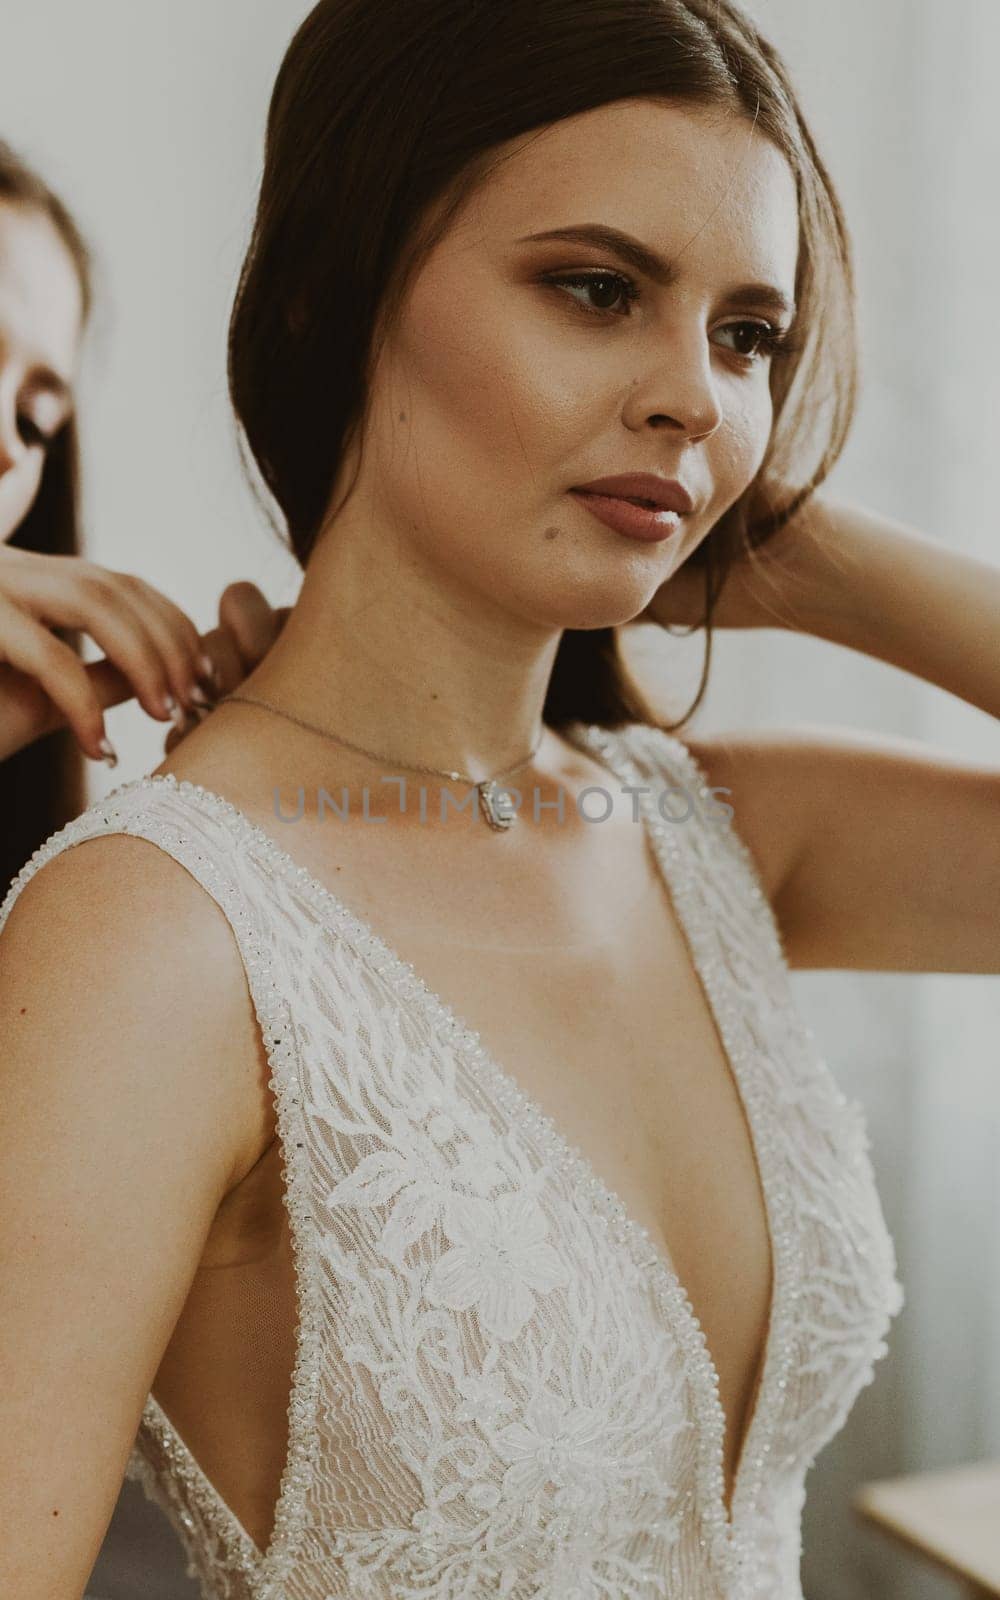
(778, 585)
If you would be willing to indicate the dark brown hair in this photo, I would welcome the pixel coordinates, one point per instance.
(43, 785)
(383, 120)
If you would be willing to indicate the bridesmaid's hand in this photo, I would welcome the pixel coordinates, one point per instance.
(247, 629)
(153, 649)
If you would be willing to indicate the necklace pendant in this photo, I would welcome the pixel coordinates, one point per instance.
(496, 805)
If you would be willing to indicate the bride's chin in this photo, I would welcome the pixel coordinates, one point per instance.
(579, 604)
(583, 618)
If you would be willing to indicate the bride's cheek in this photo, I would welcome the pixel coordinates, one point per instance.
(742, 445)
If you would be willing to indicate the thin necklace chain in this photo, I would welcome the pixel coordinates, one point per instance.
(436, 772)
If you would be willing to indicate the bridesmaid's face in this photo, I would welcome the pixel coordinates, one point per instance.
(41, 314)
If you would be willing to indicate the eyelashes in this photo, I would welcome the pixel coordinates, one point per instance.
(627, 289)
(771, 341)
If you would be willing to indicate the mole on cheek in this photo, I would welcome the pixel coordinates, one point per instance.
(551, 533)
(402, 416)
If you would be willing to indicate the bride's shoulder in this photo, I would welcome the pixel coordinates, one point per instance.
(115, 913)
(112, 953)
(221, 760)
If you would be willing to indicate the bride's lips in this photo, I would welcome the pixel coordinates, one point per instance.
(613, 501)
(636, 522)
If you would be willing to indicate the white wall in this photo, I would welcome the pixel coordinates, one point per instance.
(149, 118)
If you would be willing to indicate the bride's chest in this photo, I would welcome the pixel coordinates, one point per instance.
(582, 989)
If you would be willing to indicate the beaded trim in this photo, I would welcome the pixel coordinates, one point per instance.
(731, 1540)
(729, 1537)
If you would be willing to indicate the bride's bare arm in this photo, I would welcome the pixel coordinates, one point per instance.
(133, 1099)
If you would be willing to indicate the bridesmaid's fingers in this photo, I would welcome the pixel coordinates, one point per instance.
(249, 629)
(179, 641)
(142, 633)
(152, 649)
(43, 684)
(176, 734)
(254, 625)
(221, 647)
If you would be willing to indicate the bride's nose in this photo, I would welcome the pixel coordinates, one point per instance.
(677, 388)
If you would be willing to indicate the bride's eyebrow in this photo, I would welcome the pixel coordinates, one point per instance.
(655, 267)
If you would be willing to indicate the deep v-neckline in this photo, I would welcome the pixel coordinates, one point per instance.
(607, 746)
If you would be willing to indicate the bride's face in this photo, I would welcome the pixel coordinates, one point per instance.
(521, 367)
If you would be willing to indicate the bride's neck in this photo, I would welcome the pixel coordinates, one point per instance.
(409, 674)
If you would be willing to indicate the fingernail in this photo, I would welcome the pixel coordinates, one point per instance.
(177, 716)
(200, 697)
(207, 666)
(108, 751)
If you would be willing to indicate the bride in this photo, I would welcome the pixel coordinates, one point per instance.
(432, 1189)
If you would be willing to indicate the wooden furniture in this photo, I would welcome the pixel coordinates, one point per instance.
(950, 1518)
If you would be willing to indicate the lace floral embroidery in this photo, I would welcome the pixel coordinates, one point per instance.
(500, 1386)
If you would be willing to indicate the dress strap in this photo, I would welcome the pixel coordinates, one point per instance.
(700, 823)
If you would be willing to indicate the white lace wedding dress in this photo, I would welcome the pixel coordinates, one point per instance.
(500, 1387)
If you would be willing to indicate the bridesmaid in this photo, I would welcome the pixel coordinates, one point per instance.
(51, 704)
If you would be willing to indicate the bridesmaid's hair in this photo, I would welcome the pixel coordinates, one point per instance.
(383, 121)
(43, 786)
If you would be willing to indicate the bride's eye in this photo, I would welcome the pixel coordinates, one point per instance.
(609, 287)
(767, 340)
